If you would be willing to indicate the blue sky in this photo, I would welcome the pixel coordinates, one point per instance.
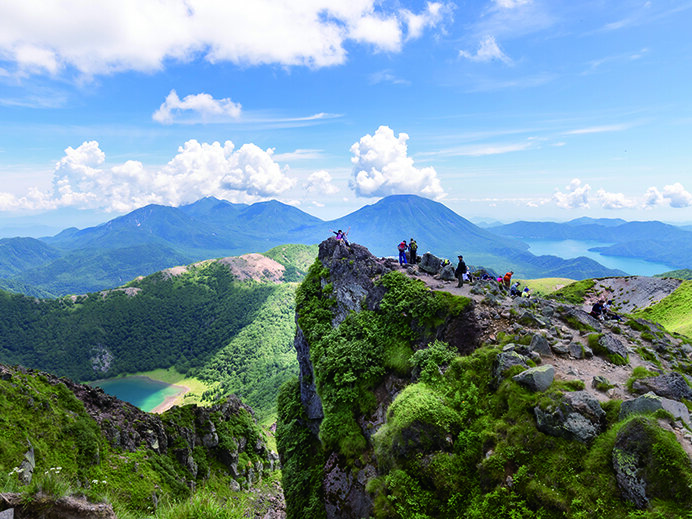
(501, 109)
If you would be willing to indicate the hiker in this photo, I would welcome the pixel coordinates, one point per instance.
(402, 252)
(514, 290)
(526, 293)
(597, 309)
(413, 248)
(460, 272)
(608, 313)
(508, 278)
(341, 235)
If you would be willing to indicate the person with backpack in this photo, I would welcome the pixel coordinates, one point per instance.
(402, 252)
(507, 279)
(460, 272)
(514, 290)
(413, 248)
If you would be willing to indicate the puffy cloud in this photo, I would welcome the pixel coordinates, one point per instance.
(677, 195)
(203, 108)
(488, 50)
(382, 167)
(575, 197)
(108, 36)
(80, 179)
(320, 182)
(615, 200)
(652, 198)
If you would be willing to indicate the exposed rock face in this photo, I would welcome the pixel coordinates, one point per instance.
(669, 385)
(352, 270)
(308, 392)
(42, 506)
(577, 417)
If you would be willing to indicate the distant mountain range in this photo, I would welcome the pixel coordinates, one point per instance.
(652, 241)
(155, 237)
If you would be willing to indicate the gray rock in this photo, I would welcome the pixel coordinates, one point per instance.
(528, 319)
(560, 348)
(650, 403)
(578, 416)
(27, 466)
(670, 385)
(447, 273)
(536, 379)
(583, 319)
(430, 263)
(504, 361)
(613, 346)
(599, 380)
(7, 514)
(627, 464)
(540, 345)
(576, 350)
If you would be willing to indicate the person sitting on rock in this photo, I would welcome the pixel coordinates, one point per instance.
(608, 313)
(526, 293)
(597, 309)
(514, 290)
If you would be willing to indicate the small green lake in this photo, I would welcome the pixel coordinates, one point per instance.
(141, 392)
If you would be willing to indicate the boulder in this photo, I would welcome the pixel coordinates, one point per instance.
(650, 403)
(536, 379)
(578, 416)
(671, 385)
(430, 263)
(540, 345)
(579, 319)
(612, 346)
(639, 459)
(579, 351)
(504, 361)
(447, 273)
(560, 348)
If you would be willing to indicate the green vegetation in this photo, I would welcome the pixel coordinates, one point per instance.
(575, 292)
(74, 458)
(235, 336)
(545, 286)
(674, 312)
(638, 373)
(684, 274)
(454, 444)
(296, 258)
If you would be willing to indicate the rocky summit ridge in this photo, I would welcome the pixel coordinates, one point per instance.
(417, 398)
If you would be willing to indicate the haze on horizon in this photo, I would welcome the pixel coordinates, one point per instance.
(502, 109)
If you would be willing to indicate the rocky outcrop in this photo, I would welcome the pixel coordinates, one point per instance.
(43, 506)
(578, 416)
(671, 385)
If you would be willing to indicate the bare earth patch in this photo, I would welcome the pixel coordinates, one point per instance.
(254, 266)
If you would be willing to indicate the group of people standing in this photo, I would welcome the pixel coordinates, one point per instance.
(412, 248)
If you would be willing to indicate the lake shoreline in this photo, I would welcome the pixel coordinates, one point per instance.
(169, 401)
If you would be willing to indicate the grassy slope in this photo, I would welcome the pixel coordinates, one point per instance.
(673, 312)
(73, 457)
(679, 274)
(545, 286)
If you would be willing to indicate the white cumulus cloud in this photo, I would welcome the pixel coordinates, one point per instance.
(488, 50)
(382, 167)
(82, 180)
(610, 200)
(109, 36)
(196, 108)
(677, 195)
(576, 195)
(320, 182)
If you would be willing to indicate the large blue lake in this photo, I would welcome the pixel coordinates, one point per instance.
(141, 392)
(574, 248)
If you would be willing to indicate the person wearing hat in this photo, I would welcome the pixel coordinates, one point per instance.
(460, 271)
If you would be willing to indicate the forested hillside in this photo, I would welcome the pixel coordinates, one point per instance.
(229, 322)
